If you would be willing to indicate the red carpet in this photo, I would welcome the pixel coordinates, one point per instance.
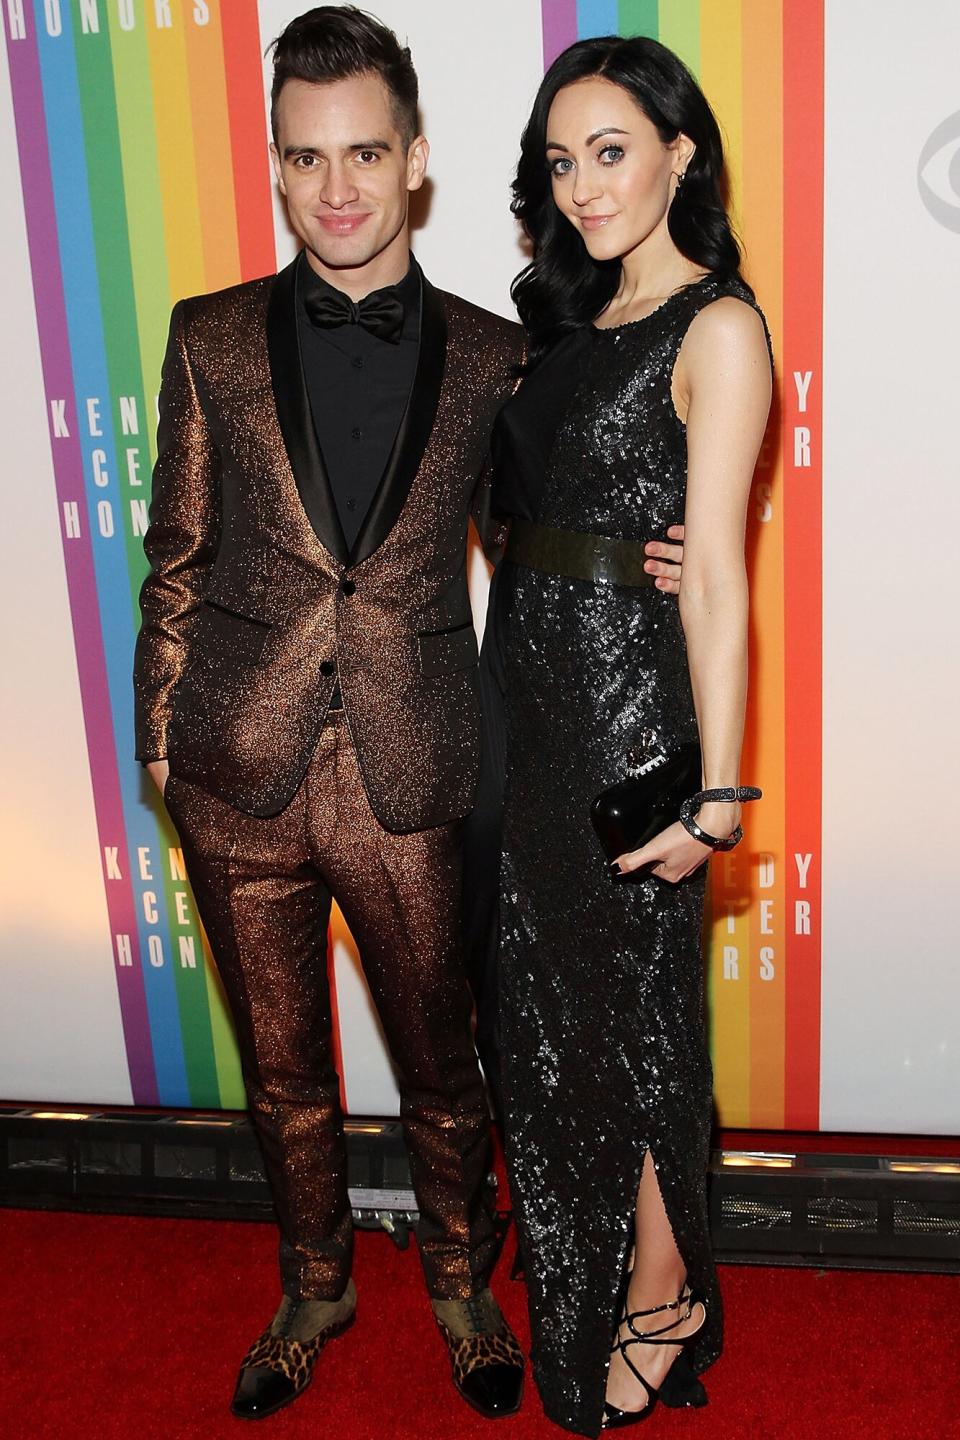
(132, 1329)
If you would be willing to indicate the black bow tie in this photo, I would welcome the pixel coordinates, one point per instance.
(381, 313)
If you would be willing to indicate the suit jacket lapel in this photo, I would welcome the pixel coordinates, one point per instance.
(415, 428)
(296, 419)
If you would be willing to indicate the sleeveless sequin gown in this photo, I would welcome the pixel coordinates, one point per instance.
(602, 1011)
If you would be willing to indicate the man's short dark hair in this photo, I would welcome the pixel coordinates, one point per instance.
(335, 42)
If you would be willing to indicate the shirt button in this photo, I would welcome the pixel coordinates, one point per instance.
(356, 432)
(351, 504)
(348, 587)
(327, 668)
(357, 363)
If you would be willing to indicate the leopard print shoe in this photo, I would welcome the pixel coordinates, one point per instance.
(486, 1360)
(278, 1367)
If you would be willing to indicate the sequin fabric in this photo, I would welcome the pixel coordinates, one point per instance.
(263, 888)
(602, 1011)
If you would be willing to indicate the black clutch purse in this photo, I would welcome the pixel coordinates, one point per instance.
(628, 814)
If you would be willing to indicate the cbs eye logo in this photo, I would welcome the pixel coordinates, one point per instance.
(938, 173)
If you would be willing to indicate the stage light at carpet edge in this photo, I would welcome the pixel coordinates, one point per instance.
(924, 1167)
(744, 1160)
(60, 1114)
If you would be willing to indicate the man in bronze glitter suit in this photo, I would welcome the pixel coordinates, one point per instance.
(306, 684)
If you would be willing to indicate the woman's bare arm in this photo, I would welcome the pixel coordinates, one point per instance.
(723, 373)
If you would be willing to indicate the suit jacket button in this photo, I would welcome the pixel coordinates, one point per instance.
(348, 587)
(327, 667)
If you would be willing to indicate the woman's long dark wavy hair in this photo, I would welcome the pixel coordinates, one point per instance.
(562, 287)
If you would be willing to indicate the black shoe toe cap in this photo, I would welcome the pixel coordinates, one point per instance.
(494, 1390)
(260, 1392)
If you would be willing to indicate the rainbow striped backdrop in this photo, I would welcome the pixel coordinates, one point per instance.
(761, 65)
(145, 178)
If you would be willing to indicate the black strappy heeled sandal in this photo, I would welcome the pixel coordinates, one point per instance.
(676, 1389)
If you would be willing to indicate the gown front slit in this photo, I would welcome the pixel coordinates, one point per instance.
(602, 1025)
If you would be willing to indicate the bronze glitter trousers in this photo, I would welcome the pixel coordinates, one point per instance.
(264, 888)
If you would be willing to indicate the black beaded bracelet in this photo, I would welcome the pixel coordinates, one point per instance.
(727, 795)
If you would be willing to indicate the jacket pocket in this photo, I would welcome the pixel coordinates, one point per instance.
(228, 635)
(255, 597)
(444, 651)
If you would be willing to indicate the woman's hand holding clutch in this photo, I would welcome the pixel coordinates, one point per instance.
(674, 853)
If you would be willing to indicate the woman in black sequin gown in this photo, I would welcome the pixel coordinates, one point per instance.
(638, 321)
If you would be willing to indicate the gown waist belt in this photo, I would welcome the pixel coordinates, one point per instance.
(596, 558)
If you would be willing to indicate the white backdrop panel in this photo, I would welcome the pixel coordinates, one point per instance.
(891, 977)
(891, 583)
(59, 1016)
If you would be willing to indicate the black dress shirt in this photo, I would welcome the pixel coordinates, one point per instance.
(359, 386)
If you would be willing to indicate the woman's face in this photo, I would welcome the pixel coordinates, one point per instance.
(612, 175)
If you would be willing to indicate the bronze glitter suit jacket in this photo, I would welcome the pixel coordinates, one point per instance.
(253, 606)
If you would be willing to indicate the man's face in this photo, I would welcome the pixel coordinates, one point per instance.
(344, 170)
